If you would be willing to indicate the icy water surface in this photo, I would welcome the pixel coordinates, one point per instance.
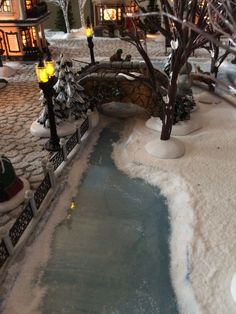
(111, 254)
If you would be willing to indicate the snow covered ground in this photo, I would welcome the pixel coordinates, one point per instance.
(200, 188)
(200, 191)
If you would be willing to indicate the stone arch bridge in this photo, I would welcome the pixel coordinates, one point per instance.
(125, 82)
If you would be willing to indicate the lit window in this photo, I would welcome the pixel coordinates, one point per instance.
(26, 39)
(28, 4)
(101, 17)
(34, 37)
(119, 14)
(6, 6)
(109, 14)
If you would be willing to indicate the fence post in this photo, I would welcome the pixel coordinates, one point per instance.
(29, 196)
(63, 146)
(7, 241)
(90, 116)
(51, 174)
(44, 165)
(78, 134)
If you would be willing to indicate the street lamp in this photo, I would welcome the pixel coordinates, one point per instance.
(89, 35)
(45, 71)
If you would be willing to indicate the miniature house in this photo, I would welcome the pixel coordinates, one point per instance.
(21, 28)
(109, 18)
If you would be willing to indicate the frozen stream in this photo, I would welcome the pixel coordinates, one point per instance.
(111, 254)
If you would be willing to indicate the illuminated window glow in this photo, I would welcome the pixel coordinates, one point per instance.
(109, 14)
(6, 7)
(26, 38)
(28, 4)
(34, 37)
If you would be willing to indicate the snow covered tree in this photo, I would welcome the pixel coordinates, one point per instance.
(82, 4)
(176, 15)
(150, 24)
(70, 102)
(60, 21)
(63, 4)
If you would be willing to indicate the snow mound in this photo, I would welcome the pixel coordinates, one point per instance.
(233, 287)
(7, 71)
(200, 188)
(64, 129)
(179, 129)
(208, 98)
(170, 149)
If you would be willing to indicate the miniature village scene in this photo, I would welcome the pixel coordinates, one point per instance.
(117, 157)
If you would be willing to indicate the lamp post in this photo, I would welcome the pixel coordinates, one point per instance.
(89, 35)
(45, 74)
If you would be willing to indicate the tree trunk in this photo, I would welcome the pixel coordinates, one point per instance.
(214, 69)
(82, 14)
(65, 14)
(168, 116)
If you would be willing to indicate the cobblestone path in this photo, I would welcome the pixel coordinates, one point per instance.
(19, 107)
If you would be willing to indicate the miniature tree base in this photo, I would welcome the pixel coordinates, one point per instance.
(171, 149)
(208, 98)
(64, 129)
(6, 71)
(16, 200)
(179, 129)
(233, 287)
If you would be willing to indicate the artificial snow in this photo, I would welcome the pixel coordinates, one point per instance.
(233, 287)
(129, 77)
(20, 295)
(208, 98)
(171, 149)
(63, 129)
(200, 188)
(6, 71)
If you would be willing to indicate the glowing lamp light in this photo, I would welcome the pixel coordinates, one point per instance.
(50, 67)
(41, 73)
(72, 205)
(89, 31)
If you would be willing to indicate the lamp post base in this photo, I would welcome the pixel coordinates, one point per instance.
(52, 147)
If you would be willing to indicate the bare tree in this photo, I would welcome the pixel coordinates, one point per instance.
(177, 14)
(82, 4)
(134, 37)
(63, 4)
(183, 42)
(222, 17)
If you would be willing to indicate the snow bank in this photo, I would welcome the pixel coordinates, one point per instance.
(200, 188)
(20, 294)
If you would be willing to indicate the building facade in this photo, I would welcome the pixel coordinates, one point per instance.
(109, 15)
(21, 28)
